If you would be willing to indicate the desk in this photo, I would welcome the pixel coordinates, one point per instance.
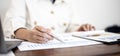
(90, 50)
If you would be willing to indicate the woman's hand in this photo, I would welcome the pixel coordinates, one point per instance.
(38, 34)
(86, 27)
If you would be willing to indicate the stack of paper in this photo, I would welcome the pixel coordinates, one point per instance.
(69, 40)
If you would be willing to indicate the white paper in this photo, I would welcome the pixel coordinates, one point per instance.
(8, 54)
(67, 38)
(99, 35)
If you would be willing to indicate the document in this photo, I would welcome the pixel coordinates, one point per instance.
(70, 41)
(8, 54)
(99, 35)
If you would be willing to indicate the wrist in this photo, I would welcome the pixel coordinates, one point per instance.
(22, 33)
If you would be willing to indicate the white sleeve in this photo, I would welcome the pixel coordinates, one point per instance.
(15, 17)
(73, 26)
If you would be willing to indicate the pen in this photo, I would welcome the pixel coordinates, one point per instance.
(35, 23)
(55, 37)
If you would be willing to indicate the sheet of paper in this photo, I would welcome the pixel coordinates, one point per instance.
(99, 35)
(69, 40)
(8, 54)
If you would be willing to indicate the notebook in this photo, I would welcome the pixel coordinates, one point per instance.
(6, 46)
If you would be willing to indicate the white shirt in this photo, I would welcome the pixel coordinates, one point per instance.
(28, 13)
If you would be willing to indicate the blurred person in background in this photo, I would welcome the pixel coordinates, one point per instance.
(34, 20)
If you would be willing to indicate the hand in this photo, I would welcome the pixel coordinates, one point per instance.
(38, 34)
(86, 27)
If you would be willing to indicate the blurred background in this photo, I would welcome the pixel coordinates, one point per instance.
(100, 13)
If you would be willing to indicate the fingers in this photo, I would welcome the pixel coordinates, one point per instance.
(41, 39)
(86, 27)
(37, 39)
(42, 29)
(93, 28)
(40, 35)
(89, 27)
